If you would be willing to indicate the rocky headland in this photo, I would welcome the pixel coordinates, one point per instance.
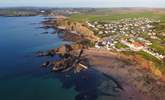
(71, 27)
(131, 72)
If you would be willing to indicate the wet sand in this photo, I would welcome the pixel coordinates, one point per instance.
(138, 84)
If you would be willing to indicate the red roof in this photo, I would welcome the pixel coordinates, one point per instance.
(137, 44)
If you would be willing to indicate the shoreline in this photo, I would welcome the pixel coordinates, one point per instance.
(131, 76)
(70, 27)
(137, 82)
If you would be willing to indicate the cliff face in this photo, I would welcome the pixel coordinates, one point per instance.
(77, 28)
(150, 66)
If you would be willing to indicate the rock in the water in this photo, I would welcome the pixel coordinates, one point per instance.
(41, 53)
(46, 64)
(70, 59)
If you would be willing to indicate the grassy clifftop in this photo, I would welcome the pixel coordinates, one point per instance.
(77, 27)
(116, 16)
(156, 66)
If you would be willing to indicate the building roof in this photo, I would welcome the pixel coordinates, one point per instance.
(138, 44)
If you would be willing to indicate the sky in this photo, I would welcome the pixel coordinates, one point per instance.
(84, 3)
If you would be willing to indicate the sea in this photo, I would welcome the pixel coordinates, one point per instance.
(23, 78)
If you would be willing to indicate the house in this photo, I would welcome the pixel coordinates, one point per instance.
(136, 46)
(90, 25)
(100, 32)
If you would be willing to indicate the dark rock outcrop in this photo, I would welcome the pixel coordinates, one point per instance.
(70, 58)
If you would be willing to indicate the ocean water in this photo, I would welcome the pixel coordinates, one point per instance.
(22, 78)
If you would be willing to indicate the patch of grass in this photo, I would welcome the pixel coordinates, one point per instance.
(149, 57)
(120, 45)
(157, 46)
(158, 63)
(115, 16)
(145, 35)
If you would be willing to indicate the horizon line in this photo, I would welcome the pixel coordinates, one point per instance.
(79, 7)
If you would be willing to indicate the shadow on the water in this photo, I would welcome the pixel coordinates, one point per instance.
(90, 84)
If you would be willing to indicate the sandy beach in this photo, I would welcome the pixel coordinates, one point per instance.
(138, 84)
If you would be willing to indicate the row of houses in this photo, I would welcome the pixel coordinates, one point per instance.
(134, 39)
(134, 46)
(139, 46)
(124, 26)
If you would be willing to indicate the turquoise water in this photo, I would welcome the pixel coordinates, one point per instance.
(22, 78)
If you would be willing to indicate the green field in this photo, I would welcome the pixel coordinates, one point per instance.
(115, 16)
(120, 45)
(82, 17)
(157, 45)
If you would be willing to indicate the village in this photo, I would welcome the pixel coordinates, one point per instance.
(127, 35)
